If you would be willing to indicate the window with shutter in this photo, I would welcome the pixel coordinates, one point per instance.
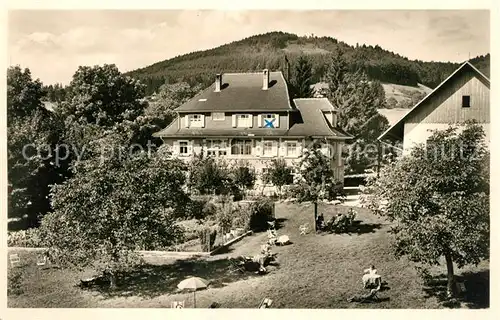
(183, 148)
(244, 121)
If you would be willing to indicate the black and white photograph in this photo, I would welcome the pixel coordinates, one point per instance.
(257, 159)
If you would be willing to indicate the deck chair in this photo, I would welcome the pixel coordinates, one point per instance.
(41, 261)
(236, 266)
(177, 304)
(14, 260)
(265, 303)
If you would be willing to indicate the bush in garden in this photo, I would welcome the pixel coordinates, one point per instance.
(224, 216)
(14, 281)
(261, 211)
(207, 238)
(243, 177)
(341, 222)
(200, 207)
(24, 238)
(242, 216)
(209, 176)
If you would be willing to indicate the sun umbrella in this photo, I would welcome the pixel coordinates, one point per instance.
(193, 283)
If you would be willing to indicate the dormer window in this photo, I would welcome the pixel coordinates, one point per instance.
(195, 121)
(269, 120)
(242, 120)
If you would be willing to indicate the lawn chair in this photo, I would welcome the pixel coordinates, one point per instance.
(236, 266)
(41, 261)
(304, 229)
(177, 304)
(283, 240)
(14, 260)
(265, 303)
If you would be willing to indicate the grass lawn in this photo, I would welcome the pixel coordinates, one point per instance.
(315, 271)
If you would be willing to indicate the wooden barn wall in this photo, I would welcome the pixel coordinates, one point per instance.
(446, 105)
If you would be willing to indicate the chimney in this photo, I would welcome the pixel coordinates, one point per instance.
(265, 79)
(218, 82)
(334, 118)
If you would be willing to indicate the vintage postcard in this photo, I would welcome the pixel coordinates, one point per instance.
(257, 158)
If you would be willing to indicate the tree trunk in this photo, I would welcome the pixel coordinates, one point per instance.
(112, 280)
(315, 215)
(451, 278)
(379, 158)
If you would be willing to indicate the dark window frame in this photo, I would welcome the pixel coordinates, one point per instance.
(466, 101)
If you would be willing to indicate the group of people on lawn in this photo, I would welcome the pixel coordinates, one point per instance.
(339, 220)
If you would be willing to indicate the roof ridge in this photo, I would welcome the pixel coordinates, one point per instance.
(466, 63)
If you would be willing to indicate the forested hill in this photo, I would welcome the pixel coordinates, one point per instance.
(268, 51)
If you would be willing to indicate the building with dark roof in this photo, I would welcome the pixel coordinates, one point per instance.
(463, 96)
(249, 116)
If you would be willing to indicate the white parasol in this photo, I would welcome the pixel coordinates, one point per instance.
(193, 283)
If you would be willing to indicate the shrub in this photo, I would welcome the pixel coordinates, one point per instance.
(262, 211)
(207, 238)
(24, 238)
(190, 229)
(200, 207)
(225, 215)
(243, 176)
(341, 222)
(14, 281)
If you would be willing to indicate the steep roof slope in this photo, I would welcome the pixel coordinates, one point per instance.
(242, 92)
(397, 129)
(310, 121)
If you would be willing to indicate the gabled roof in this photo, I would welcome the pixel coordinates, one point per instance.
(313, 118)
(310, 121)
(242, 92)
(396, 130)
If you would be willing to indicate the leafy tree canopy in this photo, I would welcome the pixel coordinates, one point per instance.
(438, 198)
(114, 206)
(102, 95)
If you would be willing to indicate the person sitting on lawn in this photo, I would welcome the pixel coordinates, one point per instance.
(371, 270)
(372, 296)
(272, 237)
(371, 278)
(265, 249)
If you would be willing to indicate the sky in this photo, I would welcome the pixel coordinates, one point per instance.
(52, 44)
